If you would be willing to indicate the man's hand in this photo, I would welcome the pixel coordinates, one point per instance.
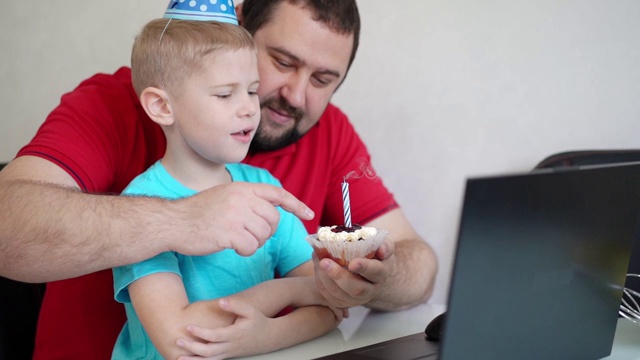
(360, 282)
(400, 275)
(239, 216)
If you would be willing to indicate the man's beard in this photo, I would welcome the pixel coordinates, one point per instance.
(264, 141)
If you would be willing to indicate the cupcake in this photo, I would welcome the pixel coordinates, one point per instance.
(343, 244)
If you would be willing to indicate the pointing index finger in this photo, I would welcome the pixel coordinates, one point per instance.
(278, 196)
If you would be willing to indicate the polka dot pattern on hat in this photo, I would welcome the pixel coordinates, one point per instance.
(203, 10)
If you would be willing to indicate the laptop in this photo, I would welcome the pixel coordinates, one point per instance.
(539, 267)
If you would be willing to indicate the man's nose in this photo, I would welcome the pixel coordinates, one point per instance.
(295, 89)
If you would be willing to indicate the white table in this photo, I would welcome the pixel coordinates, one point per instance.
(365, 327)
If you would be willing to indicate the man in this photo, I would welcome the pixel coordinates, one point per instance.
(55, 227)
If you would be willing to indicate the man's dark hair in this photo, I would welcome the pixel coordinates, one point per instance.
(340, 16)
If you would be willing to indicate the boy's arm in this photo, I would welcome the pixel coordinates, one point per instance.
(304, 323)
(245, 338)
(161, 303)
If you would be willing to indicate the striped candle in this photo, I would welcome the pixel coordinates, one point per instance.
(346, 204)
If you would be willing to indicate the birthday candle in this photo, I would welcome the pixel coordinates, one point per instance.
(346, 203)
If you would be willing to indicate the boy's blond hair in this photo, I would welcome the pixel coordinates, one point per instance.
(180, 54)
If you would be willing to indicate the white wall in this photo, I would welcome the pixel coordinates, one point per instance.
(440, 90)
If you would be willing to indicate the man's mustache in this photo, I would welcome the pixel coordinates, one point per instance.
(281, 105)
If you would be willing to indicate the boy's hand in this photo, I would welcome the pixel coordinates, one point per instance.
(249, 334)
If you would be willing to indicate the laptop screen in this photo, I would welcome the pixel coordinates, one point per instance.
(540, 263)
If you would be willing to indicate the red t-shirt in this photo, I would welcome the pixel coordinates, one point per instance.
(102, 137)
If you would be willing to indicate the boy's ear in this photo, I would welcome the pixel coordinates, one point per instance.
(155, 103)
(239, 13)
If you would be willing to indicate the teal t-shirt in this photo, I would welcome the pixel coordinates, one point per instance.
(205, 277)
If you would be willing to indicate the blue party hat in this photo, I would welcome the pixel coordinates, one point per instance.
(203, 10)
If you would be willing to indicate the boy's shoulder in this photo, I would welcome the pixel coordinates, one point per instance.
(250, 173)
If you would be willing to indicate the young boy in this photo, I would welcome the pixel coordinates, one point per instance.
(198, 80)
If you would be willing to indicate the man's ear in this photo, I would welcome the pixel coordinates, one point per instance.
(155, 103)
(239, 13)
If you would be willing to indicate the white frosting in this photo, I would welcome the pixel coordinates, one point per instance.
(325, 234)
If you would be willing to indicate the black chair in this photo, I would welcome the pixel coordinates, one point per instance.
(589, 157)
(599, 157)
(19, 308)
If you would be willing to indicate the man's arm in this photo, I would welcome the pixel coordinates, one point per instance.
(50, 230)
(401, 275)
